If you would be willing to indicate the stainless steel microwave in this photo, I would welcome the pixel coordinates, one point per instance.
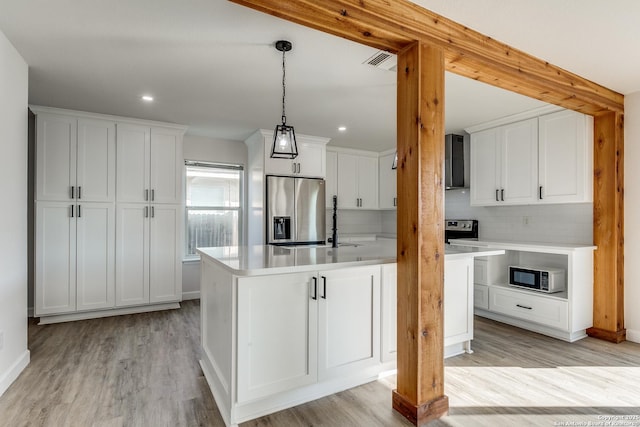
(547, 280)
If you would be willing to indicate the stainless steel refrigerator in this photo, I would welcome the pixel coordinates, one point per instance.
(295, 210)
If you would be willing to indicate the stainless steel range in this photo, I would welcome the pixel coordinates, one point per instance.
(460, 229)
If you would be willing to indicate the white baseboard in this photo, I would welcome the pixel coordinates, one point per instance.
(633, 335)
(190, 295)
(29, 311)
(84, 315)
(7, 378)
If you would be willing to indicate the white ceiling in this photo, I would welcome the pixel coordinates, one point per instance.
(211, 64)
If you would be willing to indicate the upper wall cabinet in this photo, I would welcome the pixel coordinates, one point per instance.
(75, 158)
(504, 164)
(565, 157)
(149, 164)
(331, 187)
(545, 159)
(357, 180)
(388, 190)
(310, 162)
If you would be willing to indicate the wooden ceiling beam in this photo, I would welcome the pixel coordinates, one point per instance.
(393, 24)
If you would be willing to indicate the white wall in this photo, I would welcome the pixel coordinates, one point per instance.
(14, 355)
(207, 150)
(355, 222)
(632, 216)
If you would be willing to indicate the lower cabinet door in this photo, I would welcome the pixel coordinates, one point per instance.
(389, 308)
(349, 320)
(55, 258)
(95, 266)
(165, 262)
(481, 296)
(132, 254)
(277, 334)
(458, 301)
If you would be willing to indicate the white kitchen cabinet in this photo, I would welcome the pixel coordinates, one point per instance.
(95, 263)
(331, 182)
(74, 257)
(389, 312)
(149, 164)
(108, 214)
(310, 161)
(328, 322)
(75, 158)
(357, 181)
(480, 296)
(565, 315)
(565, 159)
(504, 164)
(542, 309)
(277, 348)
(458, 308)
(132, 254)
(165, 253)
(458, 317)
(349, 321)
(387, 180)
(55, 258)
(148, 261)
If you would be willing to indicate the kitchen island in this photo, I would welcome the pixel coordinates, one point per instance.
(281, 326)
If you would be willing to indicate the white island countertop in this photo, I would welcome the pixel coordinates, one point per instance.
(268, 259)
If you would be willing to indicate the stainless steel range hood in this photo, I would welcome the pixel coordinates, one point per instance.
(456, 168)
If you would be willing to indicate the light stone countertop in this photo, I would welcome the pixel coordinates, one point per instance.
(523, 246)
(268, 259)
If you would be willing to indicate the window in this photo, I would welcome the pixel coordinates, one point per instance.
(214, 206)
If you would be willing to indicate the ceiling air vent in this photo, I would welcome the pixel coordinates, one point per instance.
(385, 60)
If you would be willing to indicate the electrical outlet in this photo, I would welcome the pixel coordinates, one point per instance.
(1, 340)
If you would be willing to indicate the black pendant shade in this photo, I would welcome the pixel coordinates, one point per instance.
(284, 137)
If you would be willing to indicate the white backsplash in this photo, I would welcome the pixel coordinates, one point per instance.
(566, 223)
(355, 222)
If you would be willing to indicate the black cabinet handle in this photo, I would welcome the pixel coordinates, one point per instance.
(71, 211)
(72, 187)
(540, 190)
(315, 288)
(497, 198)
(524, 306)
(79, 193)
(502, 194)
(324, 287)
(79, 212)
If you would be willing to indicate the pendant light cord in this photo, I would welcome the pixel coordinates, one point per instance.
(284, 117)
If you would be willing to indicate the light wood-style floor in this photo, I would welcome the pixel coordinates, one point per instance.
(142, 370)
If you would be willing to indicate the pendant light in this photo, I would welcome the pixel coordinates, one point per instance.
(284, 137)
(394, 165)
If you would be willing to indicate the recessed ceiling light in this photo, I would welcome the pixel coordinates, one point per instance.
(342, 128)
(147, 98)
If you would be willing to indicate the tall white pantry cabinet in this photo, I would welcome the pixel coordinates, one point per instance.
(108, 215)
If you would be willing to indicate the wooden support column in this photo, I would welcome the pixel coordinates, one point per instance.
(608, 228)
(420, 117)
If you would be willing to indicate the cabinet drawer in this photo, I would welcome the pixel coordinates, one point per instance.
(536, 308)
(481, 296)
